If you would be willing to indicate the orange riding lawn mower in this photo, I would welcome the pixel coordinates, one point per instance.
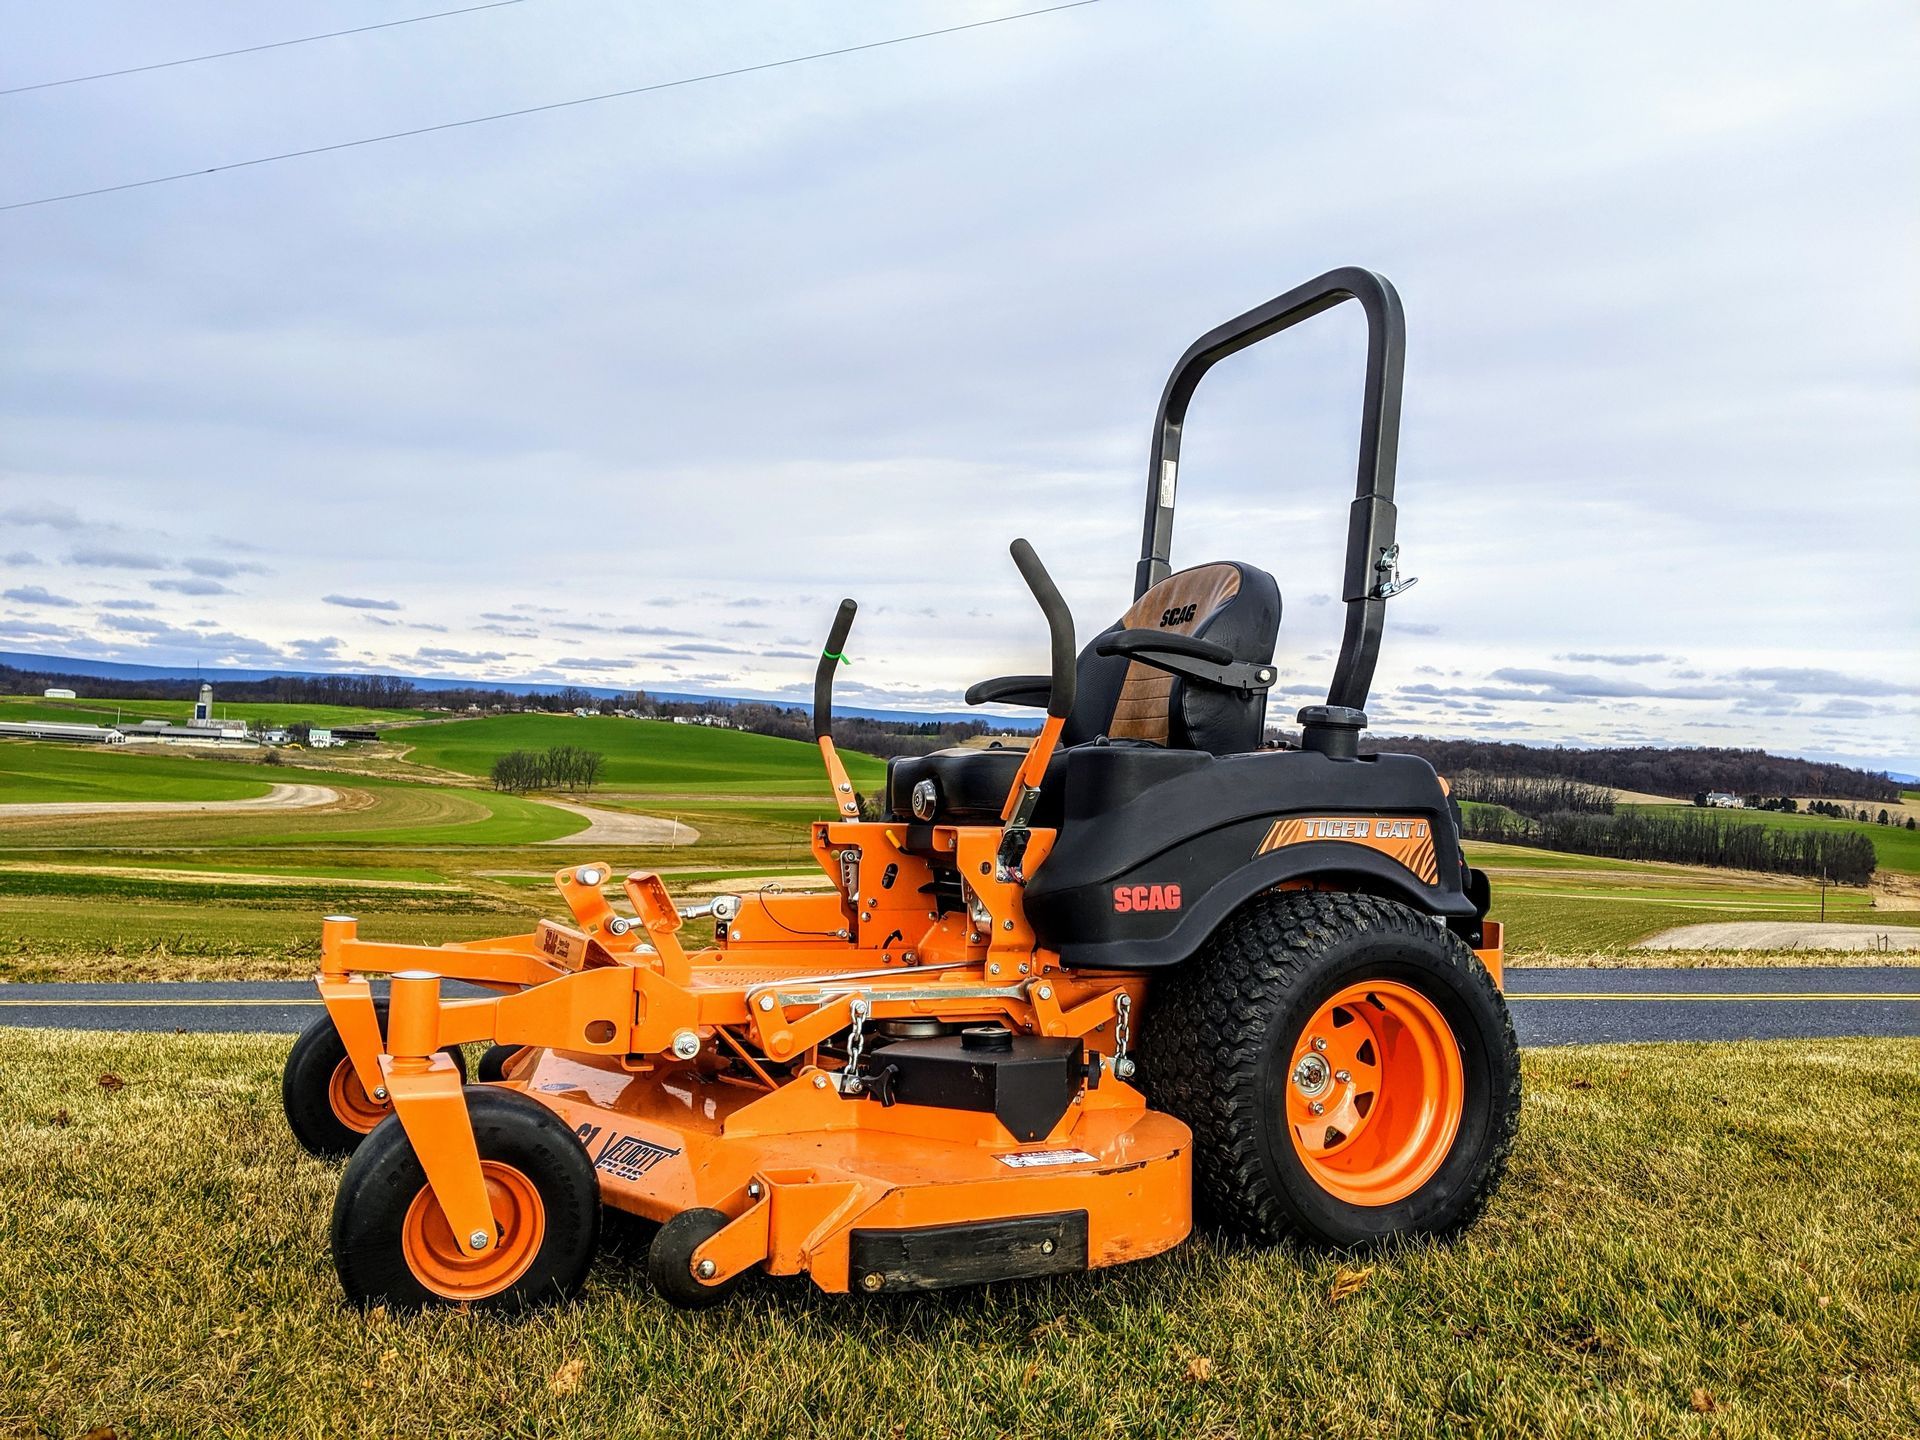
(1055, 999)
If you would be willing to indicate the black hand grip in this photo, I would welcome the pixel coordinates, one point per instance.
(830, 659)
(1059, 625)
(1132, 642)
(1011, 690)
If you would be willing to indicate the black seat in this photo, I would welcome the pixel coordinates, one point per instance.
(1119, 699)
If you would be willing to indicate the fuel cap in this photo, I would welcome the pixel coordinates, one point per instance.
(986, 1037)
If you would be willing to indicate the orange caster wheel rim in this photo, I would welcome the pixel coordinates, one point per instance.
(436, 1259)
(352, 1106)
(1375, 1092)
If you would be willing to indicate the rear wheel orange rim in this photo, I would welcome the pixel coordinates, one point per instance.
(1375, 1091)
(520, 1220)
(352, 1106)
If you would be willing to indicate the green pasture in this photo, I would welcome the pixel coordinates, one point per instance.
(648, 756)
(1557, 904)
(34, 772)
(376, 811)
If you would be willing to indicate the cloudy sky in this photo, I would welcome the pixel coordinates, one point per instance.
(631, 393)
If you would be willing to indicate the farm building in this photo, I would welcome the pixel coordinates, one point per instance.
(53, 730)
(56, 692)
(342, 733)
(1721, 800)
(320, 738)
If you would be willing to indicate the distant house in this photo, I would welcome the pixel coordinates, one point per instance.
(1720, 799)
(583, 711)
(321, 739)
(57, 693)
(276, 735)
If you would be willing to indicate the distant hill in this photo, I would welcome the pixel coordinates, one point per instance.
(56, 669)
(1676, 771)
(644, 755)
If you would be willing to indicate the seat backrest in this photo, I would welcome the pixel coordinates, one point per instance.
(1230, 603)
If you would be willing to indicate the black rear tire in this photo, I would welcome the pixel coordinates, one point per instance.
(307, 1090)
(1219, 1038)
(383, 1181)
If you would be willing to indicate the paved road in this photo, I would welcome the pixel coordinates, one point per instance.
(1550, 1007)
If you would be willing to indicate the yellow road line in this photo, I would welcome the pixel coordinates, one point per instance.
(1714, 995)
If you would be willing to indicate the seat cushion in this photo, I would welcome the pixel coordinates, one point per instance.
(970, 785)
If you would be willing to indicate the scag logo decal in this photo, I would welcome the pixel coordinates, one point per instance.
(1128, 898)
(1179, 615)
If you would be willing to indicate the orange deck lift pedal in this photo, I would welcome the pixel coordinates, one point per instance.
(1051, 995)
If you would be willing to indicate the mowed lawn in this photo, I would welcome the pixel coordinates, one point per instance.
(654, 756)
(1684, 1246)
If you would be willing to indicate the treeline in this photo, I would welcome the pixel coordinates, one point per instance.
(1860, 813)
(1649, 769)
(560, 767)
(1687, 837)
(1533, 794)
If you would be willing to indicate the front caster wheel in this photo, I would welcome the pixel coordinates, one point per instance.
(391, 1241)
(670, 1260)
(328, 1109)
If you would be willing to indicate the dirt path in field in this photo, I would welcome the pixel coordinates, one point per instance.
(280, 797)
(617, 827)
(1785, 935)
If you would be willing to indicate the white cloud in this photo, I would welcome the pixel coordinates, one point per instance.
(643, 369)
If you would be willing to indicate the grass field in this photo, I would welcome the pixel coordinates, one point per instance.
(1557, 905)
(109, 712)
(644, 756)
(33, 773)
(129, 896)
(1684, 1246)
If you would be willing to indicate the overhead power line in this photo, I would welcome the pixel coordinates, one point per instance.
(255, 49)
(541, 109)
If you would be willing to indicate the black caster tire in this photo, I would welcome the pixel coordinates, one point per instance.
(493, 1063)
(670, 1260)
(392, 1245)
(328, 1110)
(1348, 1069)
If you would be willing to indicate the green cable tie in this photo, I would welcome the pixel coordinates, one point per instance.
(829, 655)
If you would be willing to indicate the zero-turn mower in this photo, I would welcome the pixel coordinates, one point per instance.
(1054, 998)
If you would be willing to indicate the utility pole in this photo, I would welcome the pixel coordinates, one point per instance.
(1823, 897)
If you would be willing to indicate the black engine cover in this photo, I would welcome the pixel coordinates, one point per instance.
(1027, 1085)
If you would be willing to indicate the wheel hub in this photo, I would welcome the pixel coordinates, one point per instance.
(1311, 1075)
